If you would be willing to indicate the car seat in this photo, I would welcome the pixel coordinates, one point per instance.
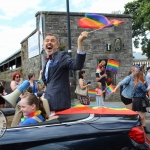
(47, 109)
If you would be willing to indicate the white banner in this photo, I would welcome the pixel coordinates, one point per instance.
(33, 45)
(41, 43)
(41, 33)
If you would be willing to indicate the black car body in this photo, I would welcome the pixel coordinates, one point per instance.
(82, 131)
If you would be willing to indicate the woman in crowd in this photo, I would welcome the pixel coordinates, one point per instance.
(101, 76)
(15, 81)
(2, 91)
(128, 88)
(85, 100)
(140, 91)
(33, 84)
(32, 109)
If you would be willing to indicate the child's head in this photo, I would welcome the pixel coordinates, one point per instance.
(103, 62)
(98, 85)
(30, 103)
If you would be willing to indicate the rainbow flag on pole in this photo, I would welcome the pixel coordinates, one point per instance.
(109, 89)
(98, 21)
(91, 93)
(112, 65)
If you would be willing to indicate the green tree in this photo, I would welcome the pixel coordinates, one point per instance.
(140, 10)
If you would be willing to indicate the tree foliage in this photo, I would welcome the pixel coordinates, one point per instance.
(140, 9)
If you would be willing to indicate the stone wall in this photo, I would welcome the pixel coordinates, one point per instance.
(29, 65)
(94, 46)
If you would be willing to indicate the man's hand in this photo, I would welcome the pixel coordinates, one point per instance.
(82, 36)
(41, 72)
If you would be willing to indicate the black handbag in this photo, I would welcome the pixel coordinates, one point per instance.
(145, 102)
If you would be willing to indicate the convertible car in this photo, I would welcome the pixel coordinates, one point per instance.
(77, 128)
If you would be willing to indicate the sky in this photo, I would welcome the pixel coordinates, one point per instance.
(17, 18)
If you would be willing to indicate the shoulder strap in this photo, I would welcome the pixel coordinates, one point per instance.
(37, 119)
(127, 83)
(129, 80)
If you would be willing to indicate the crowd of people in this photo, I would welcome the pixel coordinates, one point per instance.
(101, 79)
(134, 89)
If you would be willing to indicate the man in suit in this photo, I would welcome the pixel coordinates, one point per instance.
(56, 71)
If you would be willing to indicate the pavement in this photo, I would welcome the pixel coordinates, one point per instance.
(120, 104)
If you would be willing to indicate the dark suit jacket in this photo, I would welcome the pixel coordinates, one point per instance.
(58, 88)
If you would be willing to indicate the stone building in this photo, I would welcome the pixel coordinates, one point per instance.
(110, 43)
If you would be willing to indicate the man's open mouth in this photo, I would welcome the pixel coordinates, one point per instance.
(49, 47)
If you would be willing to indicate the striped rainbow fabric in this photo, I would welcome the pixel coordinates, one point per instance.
(79, 109)
(98, 21)
(91, 93)
(109, 89)
(112, 65)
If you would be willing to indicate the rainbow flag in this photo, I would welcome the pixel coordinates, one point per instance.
(81, 109)
(91, 93)
(109, 89)
(112, 65)
(116, 22)
(97, 21)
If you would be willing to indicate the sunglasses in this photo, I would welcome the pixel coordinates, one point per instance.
(102, 67)
(17, 77)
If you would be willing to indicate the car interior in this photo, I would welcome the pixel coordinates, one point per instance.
(10, 112)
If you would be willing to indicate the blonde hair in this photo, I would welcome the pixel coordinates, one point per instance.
(103, 62)
(98, 85)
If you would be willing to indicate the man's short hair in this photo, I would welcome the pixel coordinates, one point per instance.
(30, 75)
(50, 34)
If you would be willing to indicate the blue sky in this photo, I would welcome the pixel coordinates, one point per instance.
(17, 18)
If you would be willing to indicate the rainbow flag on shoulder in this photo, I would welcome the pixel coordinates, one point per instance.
(112, 65)
(91, 93)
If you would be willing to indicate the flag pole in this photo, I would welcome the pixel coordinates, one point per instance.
(100, 28)
(95, 30)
